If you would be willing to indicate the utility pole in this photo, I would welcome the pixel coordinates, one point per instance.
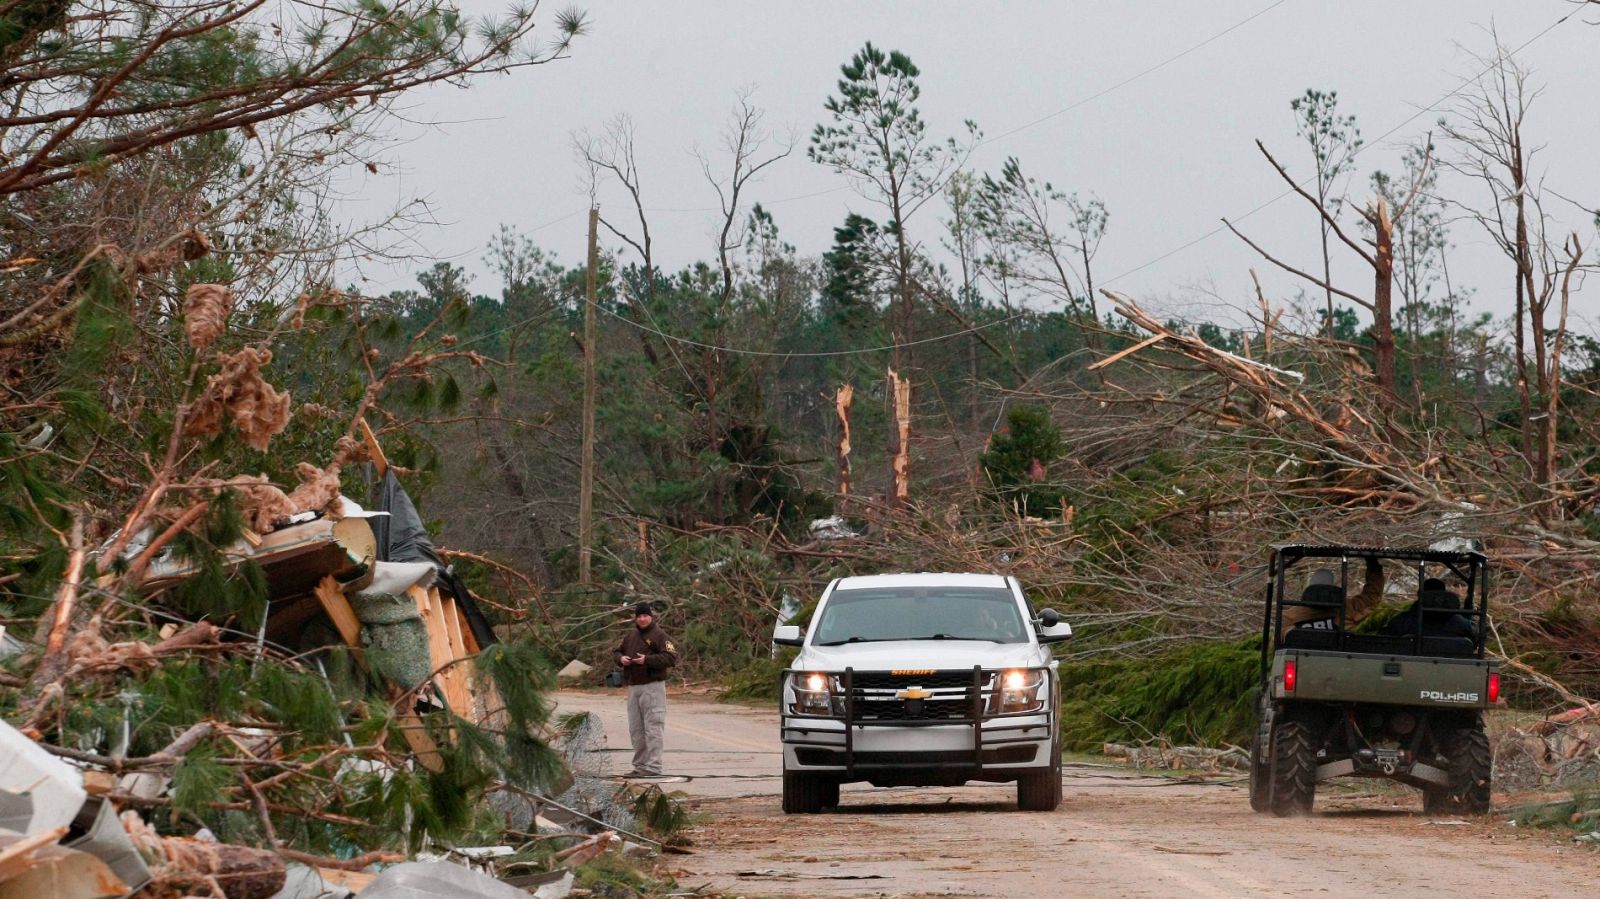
(586, 476)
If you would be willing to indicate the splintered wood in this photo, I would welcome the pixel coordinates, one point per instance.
(900, 462)
(339, 612)
(841, 407)
(1372, 467)
(447, 650)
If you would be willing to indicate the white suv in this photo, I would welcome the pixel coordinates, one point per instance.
(922, 680)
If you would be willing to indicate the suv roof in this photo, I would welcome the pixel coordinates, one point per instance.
(920, 579)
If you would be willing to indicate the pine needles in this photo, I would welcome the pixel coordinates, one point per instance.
(1200, 694)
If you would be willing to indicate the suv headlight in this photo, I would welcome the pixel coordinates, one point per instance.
(815, 693)
(1020, 690)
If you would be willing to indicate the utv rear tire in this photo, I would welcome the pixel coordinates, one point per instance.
(1294, 770)
(802, 794)
(1470, 762)
(1039, 791)
(1259, 761)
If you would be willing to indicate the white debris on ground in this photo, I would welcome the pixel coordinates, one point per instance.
(834, 527)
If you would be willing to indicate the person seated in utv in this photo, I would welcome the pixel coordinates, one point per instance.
(1323, 589)
(1439, 610)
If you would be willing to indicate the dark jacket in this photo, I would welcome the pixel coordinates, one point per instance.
(659, 655)
(1438, 609)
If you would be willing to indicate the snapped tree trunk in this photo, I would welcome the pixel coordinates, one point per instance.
(841, 407)
(1383, 301)
(900, 441)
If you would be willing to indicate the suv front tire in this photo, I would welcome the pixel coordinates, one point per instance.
(805, 794)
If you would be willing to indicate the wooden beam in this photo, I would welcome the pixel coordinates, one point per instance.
(339, 611)
(1123, 353)
(416, 736)
(380, 462)
(459, 675)
(431, 607)
(438, 652)
(469, 640)
(354, 881)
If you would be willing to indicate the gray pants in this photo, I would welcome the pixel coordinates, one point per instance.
(647, 725)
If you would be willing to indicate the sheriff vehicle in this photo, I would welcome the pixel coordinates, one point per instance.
(922, 680)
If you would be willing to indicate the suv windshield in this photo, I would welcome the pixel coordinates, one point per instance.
(920, 613)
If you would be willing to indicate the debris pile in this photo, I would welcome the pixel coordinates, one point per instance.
(1161, 756)
(356, 733)
(1560, 750)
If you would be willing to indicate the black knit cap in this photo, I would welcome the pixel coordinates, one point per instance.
(643, 609)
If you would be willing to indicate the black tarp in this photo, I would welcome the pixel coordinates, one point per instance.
(402, 538)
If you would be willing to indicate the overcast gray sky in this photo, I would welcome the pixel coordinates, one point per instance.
(1170, 152)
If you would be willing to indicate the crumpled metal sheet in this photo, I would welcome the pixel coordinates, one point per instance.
(304, 882)
(437, 880)
(41, 791)
(104, 837)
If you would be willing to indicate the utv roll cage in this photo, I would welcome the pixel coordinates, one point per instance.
(1469, 567)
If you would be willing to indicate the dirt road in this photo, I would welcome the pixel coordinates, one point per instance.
(1116, 834)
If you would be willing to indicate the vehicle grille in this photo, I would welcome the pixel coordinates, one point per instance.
(900, 710)
(876, 695)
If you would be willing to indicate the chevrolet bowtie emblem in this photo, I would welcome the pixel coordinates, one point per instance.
(914, 693)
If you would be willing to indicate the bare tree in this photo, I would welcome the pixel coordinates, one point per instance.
(1379, 255)
(1020, 210)
(1487, 129)
(86, 86)
(744, 140)
(1334, 140)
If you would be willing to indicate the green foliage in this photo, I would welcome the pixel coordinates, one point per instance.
(180, 693)
(407, 806)
(199, 779)
(1334, 138)
(663, 815)
(1199, 694)
(523, 678)
(1018, 460)
(103, 328)
(614, 874)
(219, 587)
(1580, 812)
(758, 680)
(298, 701)
(27, 495)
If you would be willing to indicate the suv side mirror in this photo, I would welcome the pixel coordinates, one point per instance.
(1051, 628)
(788, 635)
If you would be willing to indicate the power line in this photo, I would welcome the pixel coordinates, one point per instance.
(1135, 77)
(1382, 137)
(1462, 85)
(687, 341)
(1455, 91)
(1024, 127)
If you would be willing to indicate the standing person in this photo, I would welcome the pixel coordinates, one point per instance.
(645, 655)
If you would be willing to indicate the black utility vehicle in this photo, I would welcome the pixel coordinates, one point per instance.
(1404, 701)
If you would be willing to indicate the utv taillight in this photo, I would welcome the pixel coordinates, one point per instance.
(1494, 686)
(1289, 675)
